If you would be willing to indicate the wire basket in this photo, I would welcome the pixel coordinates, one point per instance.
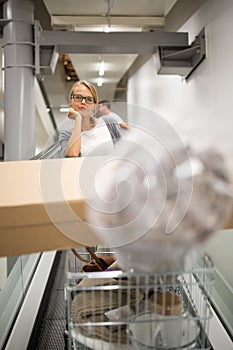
(126, 310)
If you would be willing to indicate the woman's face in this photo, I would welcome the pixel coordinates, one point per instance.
(82, 100)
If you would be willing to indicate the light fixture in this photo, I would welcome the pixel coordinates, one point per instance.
(100, 81)
(110, 4)
(107, 29)
(64, 109)
(101, 66)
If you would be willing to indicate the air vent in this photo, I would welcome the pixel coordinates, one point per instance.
(180, 60)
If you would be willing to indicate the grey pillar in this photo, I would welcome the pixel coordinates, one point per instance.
(19, 102)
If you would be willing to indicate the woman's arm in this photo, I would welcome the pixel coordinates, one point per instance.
(73, 147)
(71, 141)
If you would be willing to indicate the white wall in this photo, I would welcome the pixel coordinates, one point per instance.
(200, 109)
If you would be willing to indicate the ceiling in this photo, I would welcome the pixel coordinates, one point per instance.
(94, 16)
(120, 15)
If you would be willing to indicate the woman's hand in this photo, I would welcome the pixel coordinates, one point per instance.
(73, 114)
(74, 144)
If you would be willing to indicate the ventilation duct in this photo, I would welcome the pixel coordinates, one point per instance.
(182, 61)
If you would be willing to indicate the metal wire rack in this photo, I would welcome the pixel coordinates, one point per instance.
(126, 310)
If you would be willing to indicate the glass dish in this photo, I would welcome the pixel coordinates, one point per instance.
(151, 331)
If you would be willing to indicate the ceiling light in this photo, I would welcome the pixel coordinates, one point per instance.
(64, 109)
(100, 81)
(110, 4)
(107, 29)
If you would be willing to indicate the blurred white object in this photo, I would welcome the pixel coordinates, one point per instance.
(153, 203)
(148, 331)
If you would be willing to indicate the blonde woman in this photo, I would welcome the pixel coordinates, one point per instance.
(90, 135)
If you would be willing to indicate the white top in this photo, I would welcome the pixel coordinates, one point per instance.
(96, 141)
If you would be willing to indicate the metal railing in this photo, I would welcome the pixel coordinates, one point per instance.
(50, 152)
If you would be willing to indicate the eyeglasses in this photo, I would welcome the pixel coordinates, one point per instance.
(80, 98)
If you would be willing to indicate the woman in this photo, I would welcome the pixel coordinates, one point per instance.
(90, 135)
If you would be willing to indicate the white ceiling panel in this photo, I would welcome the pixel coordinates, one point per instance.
(99, 7)
(87, 68)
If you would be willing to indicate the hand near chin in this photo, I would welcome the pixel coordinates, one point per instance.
(73, 114)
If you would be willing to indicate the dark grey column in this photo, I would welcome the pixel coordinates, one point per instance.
(19, 102)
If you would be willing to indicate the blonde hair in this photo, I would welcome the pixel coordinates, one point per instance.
(89, 86)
